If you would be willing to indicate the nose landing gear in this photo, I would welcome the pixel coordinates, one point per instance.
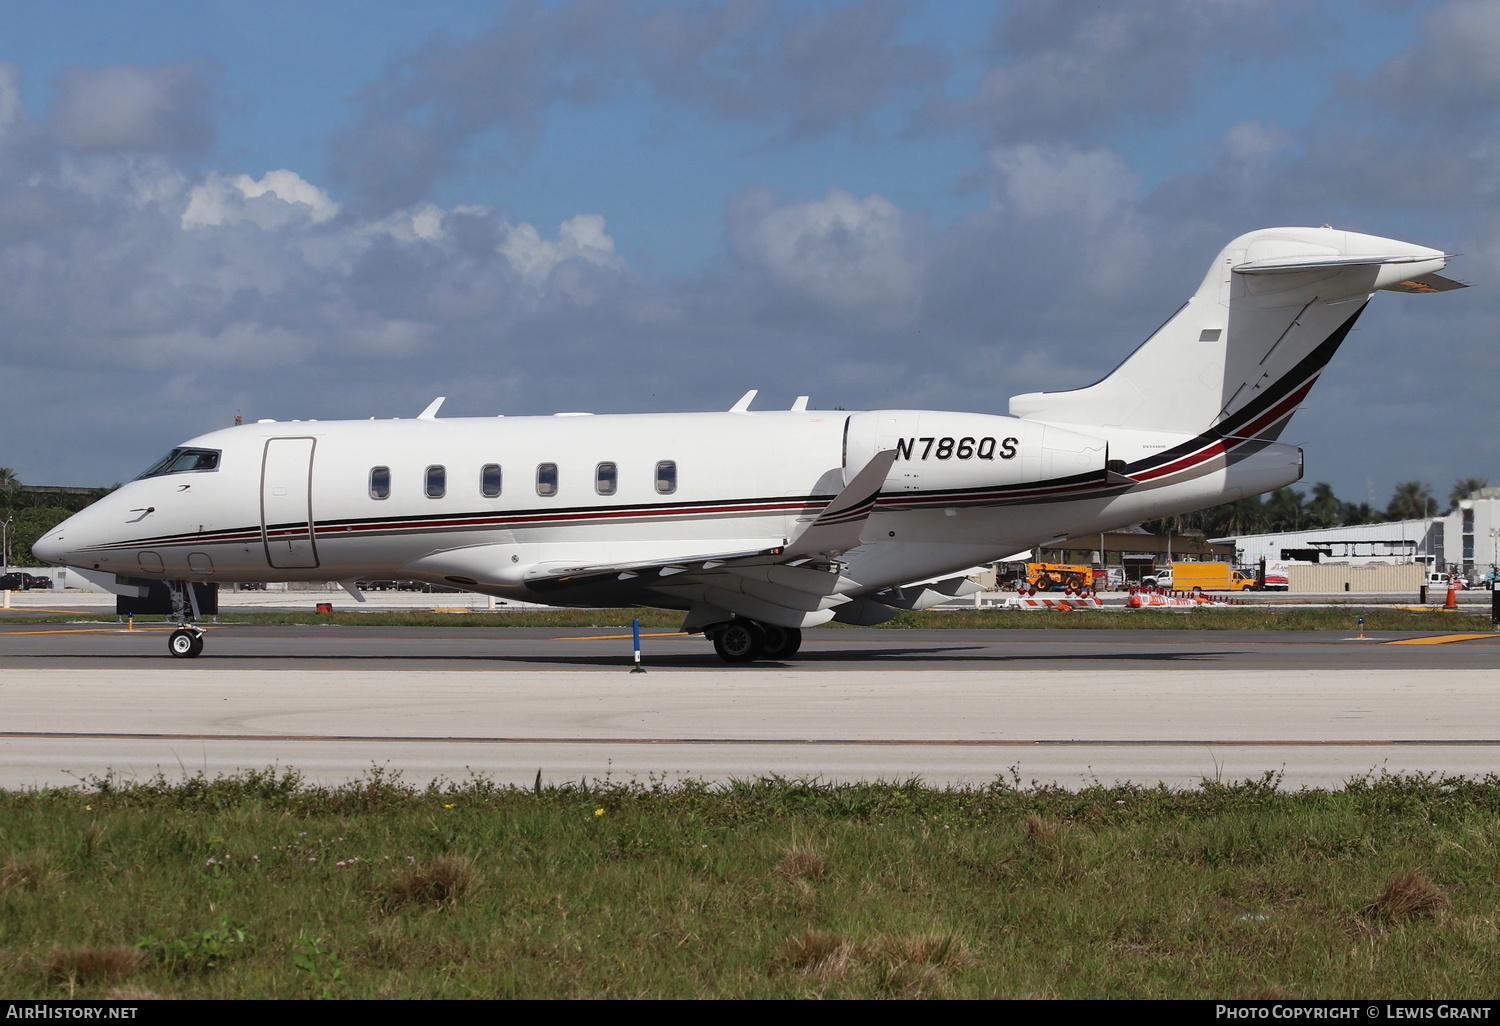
(186, 642)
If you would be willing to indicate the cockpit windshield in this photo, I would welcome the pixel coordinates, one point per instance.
(180, 461)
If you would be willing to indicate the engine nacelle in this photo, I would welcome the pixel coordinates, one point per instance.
(937, 451)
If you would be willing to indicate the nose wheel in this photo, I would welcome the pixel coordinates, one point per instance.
(185, 643)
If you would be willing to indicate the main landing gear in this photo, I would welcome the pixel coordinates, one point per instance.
(186, 642)
(744, 641)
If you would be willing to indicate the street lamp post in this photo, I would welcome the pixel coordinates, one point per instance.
(5, 539)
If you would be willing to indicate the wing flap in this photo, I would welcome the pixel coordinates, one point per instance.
(560, 570)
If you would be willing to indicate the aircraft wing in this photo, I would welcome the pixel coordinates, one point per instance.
(794, 584)
(837, 528)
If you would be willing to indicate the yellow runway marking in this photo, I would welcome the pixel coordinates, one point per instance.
(1440, 639)
(104, 630)
(621, 637)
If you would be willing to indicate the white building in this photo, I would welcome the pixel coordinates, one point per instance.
(1471, 533)
(1467, 539)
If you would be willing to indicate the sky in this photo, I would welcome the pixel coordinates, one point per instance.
(345, 209)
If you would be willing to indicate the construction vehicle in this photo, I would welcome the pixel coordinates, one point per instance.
(1210, 577)
(1057, 576)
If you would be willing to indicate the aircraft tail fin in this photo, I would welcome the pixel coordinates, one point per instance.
(1241, 354)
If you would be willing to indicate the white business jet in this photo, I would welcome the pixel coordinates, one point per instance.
(756, 523)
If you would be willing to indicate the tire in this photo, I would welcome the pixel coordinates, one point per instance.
(739, 641)
(185, 644)
(779, 642)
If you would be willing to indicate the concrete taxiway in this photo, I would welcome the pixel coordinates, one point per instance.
(950, 707)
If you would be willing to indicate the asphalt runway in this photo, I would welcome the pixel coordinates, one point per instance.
(951, 707)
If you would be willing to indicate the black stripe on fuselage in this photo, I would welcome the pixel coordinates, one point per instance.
(1055, 490)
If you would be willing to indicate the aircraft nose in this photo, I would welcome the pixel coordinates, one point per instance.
(50, 547)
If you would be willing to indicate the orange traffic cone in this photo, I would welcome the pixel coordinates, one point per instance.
(1452, 602)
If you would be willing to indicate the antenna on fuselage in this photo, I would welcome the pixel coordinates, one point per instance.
(743, 406)
(431, 412)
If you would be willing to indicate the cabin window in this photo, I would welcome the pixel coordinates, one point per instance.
(380, 482)
(605, 477)
(666, 477)
(546, 479)
(489, 480)
(437, 482)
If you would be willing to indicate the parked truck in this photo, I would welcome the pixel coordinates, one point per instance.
(1210, 577)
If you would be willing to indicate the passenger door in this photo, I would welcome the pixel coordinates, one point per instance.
(286, 503)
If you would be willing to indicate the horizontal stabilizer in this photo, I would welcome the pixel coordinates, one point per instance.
(1428, 283)
(1287, 265)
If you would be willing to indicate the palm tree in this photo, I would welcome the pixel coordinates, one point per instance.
(8, 478)
(1232, 519)
(1411, 500)
(1323, 510)
(1286, 511)
(1465, 488)
(1359, 513)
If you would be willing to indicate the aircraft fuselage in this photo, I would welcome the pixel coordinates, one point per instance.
(407, 499)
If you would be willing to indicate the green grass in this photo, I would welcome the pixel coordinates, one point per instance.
(1201, 618)
(260, 885)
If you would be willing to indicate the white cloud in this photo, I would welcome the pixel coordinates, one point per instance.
(847, 252)
(534, 257)
(276, 199)
(1089, 184)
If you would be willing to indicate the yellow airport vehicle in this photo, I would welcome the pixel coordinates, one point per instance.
(1210, 577)
(1057, 576)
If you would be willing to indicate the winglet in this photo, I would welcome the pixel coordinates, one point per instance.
(800, 405)
(743, 406)
(431, 412)
(837, 527)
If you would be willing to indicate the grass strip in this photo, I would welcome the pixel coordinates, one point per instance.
(262, 885)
